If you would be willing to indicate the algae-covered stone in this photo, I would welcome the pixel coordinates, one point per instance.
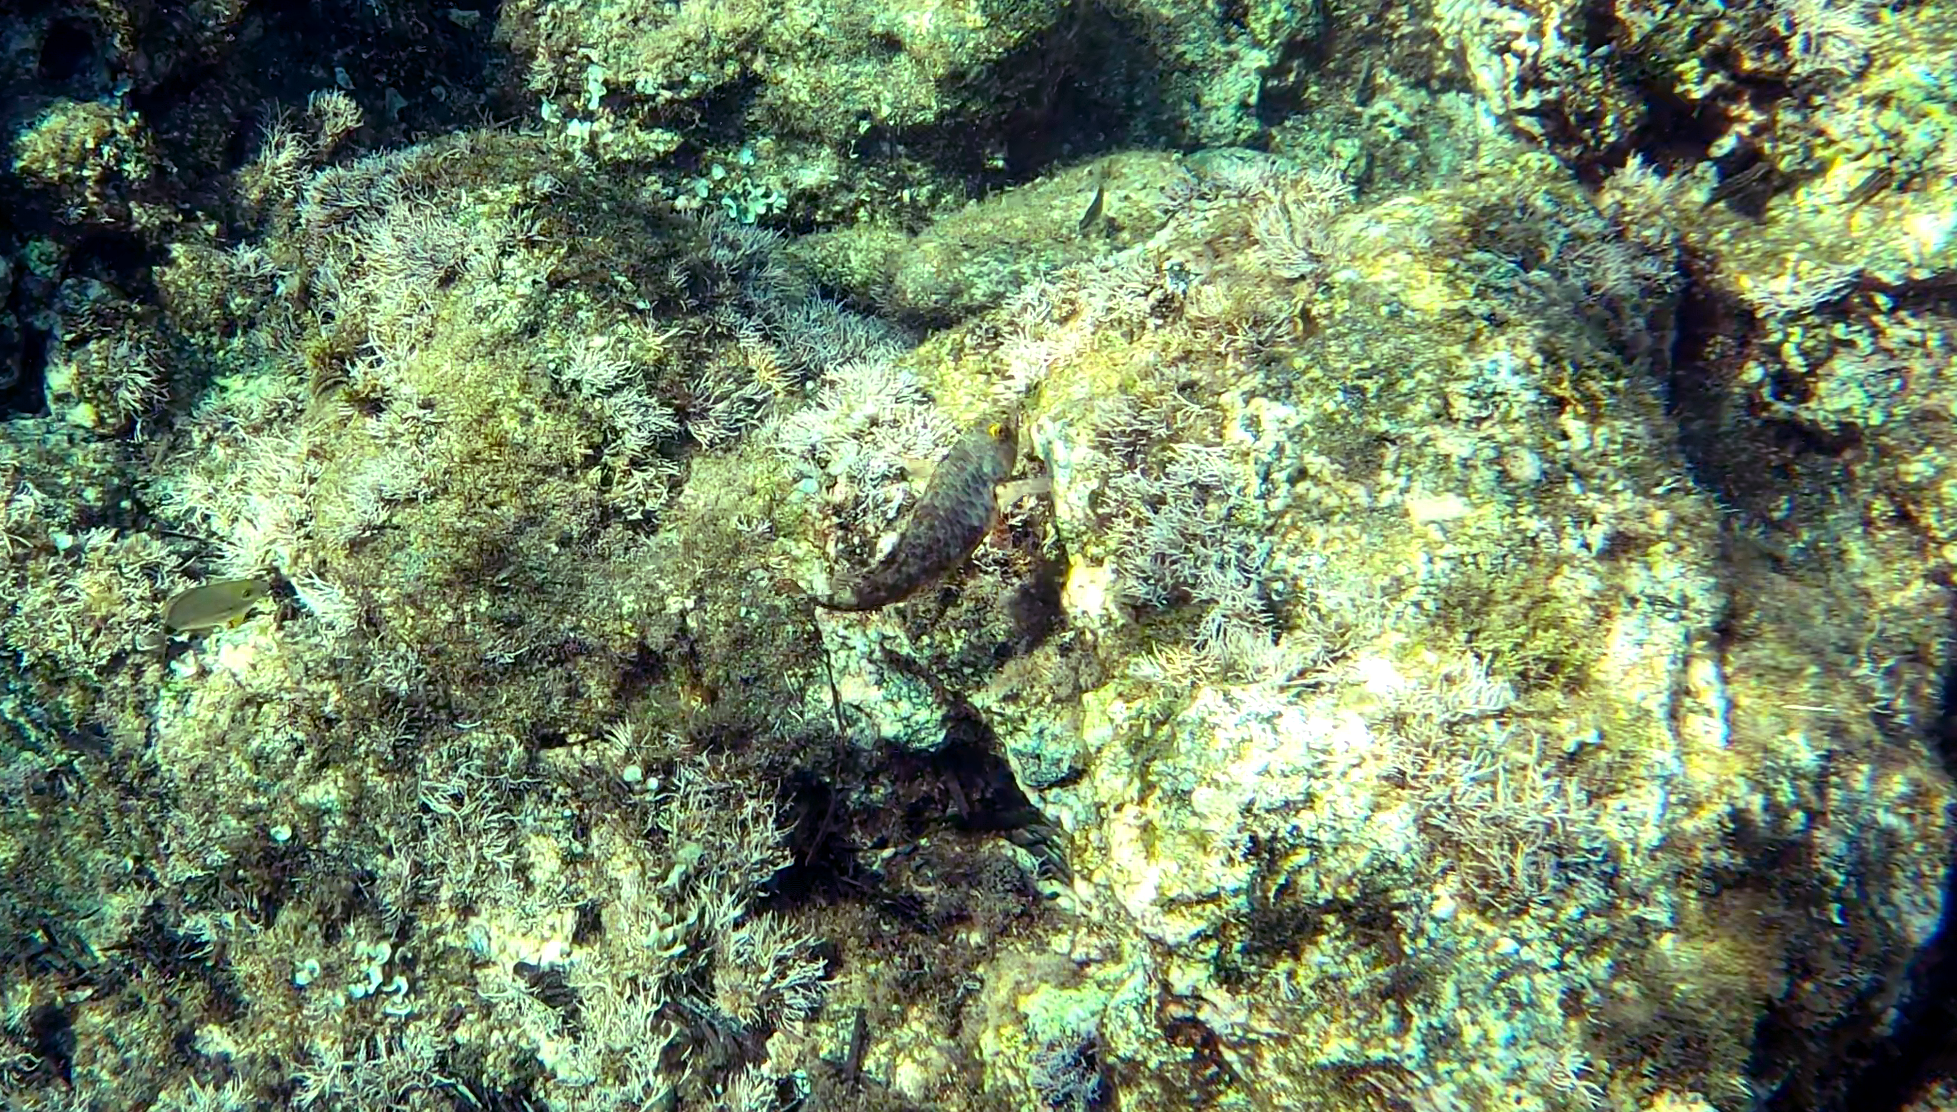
(1387, 819)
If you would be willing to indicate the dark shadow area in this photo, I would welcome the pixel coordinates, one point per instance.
(1780, 480)
(1747, 462)
(23, 366)
(963, 793)
(1923, 1049)
(1090, 86)
(415, 72)
(68, 56)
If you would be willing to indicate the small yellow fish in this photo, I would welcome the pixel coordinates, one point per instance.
(1091, 220)
(213, 604)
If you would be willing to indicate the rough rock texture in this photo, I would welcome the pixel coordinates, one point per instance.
(1444, 730)
(1478, 640)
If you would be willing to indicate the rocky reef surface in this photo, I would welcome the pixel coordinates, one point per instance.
(1469, 628)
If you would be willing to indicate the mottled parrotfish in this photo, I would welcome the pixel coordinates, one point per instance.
(959, 507)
